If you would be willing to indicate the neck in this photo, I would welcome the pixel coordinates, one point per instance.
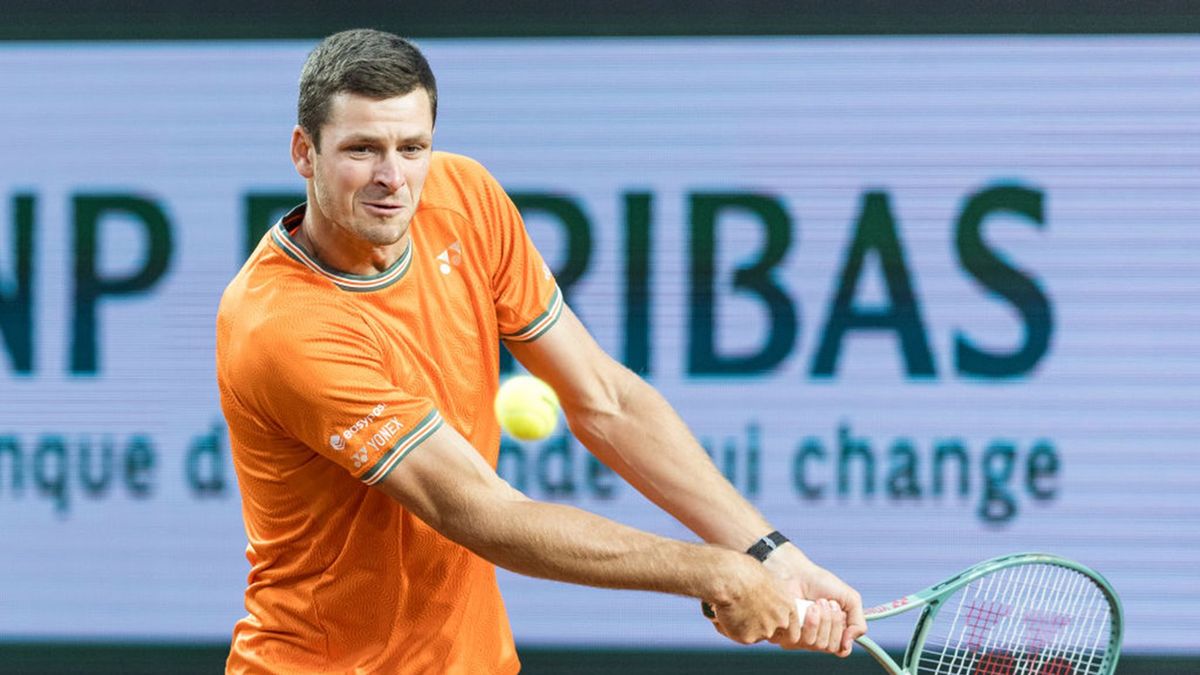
(339, 251)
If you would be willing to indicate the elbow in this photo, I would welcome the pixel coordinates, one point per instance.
(608, 398)
(479, 522)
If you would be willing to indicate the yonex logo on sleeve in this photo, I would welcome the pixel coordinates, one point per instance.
(386, 433)
(378, 441)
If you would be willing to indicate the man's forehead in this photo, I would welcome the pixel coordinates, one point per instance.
(411, 109)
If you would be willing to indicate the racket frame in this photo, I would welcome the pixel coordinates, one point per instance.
(930, 600)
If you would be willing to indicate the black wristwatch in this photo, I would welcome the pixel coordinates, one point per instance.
(763, 548)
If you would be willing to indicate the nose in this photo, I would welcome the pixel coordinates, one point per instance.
(388, 173)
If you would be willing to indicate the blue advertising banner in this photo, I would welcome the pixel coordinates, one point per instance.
(925, 301)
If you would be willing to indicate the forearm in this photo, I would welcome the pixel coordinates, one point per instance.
(563, 543)
(637, 433)
(632, 429)
(448, 485)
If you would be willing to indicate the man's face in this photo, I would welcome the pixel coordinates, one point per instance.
(373, 159)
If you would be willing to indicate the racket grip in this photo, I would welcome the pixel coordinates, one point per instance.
(802, 606)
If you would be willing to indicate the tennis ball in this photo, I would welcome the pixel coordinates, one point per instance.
(527, 408)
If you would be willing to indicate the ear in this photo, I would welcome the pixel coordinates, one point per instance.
(302, 152)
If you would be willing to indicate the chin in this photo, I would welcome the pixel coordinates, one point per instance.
(383, 234)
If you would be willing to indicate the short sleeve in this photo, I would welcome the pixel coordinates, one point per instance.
(330, 389)
(527, 298)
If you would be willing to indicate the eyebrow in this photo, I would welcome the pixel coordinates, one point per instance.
(375, 140)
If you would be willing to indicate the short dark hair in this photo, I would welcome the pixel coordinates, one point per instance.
(363, 61)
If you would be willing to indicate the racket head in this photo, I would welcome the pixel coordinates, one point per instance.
(1030, 613)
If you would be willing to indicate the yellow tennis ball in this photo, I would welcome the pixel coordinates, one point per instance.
(527, 408)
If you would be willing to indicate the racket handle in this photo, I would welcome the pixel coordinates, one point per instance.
(802, 606)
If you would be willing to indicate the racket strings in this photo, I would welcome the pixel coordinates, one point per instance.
(1034, 619)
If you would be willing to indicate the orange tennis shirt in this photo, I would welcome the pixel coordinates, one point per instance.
(327, 381)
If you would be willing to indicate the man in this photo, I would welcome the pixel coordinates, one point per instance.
(357, 358)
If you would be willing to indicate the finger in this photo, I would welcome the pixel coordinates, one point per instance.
(824, 632)
(788, 637)
(711, 614)
(796, 618)
(812, 622)
(796, 627)
(856, 623)
(821, 627)
(837, 630)
(740, 634)
(779, 637)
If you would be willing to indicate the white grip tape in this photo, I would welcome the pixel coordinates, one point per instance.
(802, 606)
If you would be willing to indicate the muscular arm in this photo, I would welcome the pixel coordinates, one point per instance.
(631, 428)
(628, 425)
(447, 484)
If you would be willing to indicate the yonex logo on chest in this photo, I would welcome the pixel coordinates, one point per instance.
(450, 258)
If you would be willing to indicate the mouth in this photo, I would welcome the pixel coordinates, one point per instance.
(384, 209)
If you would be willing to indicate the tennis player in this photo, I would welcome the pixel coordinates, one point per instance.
(357, 359)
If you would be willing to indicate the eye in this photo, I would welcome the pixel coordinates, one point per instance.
(359, 150)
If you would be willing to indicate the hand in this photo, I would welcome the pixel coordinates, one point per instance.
(830, 627)
(818, 626)
(759, 608)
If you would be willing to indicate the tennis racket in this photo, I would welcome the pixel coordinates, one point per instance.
(1021, 614)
